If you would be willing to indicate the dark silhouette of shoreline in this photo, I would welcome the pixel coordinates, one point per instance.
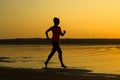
(43, 41)
(7, 73)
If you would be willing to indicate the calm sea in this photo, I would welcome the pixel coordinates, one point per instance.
(98, 58)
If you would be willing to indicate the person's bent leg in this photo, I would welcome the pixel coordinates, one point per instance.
(60, 58)
(49, 57)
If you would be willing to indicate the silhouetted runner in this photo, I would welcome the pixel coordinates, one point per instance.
(56, 32)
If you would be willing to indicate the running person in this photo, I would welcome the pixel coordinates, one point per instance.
(56, 33)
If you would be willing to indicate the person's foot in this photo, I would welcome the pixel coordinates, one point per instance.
(64, 66)
(45, 65)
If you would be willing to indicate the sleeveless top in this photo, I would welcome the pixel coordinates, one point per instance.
(56, 31)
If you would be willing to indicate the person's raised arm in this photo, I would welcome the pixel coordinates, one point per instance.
(62, 33)
(46, 32)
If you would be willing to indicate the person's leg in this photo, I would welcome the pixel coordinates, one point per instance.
(60, 56)
(49, 57)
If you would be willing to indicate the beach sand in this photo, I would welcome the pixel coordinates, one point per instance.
(7, 73)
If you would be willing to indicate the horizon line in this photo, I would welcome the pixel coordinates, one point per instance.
(50, 38)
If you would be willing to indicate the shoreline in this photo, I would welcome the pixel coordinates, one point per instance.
(7, 73)
(67, 41)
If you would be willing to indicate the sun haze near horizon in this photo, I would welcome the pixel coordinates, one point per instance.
(80, 18)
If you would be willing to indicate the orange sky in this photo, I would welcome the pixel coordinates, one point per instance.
(80, 18)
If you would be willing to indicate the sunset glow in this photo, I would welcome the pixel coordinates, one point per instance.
(80, 18)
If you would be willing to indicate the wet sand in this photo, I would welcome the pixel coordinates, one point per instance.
(7, 73)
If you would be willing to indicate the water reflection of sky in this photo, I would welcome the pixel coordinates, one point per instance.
(100, 58)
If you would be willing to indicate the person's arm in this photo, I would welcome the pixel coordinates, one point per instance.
(62, 33)
(46, 32)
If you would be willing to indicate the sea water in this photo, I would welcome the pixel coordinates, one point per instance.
(98, 58)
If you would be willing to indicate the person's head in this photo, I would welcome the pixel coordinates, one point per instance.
(56, 21)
